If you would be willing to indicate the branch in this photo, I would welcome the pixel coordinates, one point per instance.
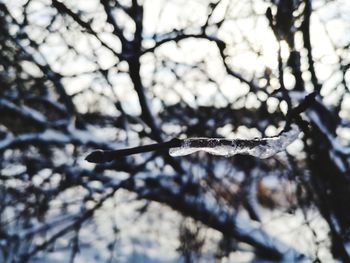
(63, 9)
(259, 147)
(100, 156)
(85, 215)
(110, 19)
(219, 43)
(52, 137)
(213, 216)
(262, 148)
(305, 28)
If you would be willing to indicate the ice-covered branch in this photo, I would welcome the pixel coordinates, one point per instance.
(262, 148)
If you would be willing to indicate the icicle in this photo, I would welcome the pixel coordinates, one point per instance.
(261, 148)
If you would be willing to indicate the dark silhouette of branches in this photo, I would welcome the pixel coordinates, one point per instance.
(238, 146)
(110, 75)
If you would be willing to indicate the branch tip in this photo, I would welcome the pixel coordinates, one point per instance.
(96, 157)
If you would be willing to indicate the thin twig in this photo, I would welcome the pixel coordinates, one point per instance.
(100, 156)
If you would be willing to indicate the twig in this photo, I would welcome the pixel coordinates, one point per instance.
(100, 156)
(245, 146)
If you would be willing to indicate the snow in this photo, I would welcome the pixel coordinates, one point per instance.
(261, 148)
(336, 145)
(337, 149)
(41, 227)
(24, 111)
(54, 136)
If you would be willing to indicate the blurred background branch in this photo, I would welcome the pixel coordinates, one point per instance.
(82, 75)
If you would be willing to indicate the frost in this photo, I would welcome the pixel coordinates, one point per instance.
(261, 148)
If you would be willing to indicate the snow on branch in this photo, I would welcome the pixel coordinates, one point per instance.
(51, 136)
(262, 148)
(24, 112)
(217, 217)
